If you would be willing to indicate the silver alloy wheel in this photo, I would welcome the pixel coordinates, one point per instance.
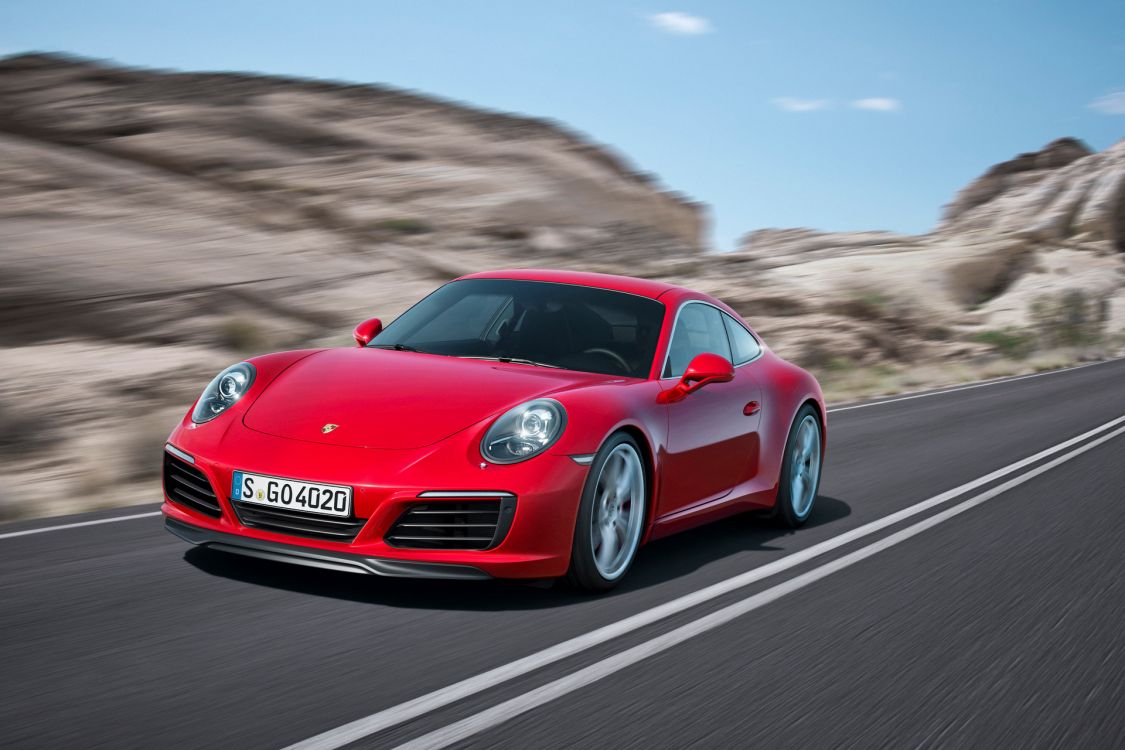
(618, 513)
(805, 467)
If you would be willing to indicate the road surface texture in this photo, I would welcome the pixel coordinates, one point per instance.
(993, 615)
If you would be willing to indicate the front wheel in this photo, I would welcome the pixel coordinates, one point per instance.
(800, 469)
(611, 516)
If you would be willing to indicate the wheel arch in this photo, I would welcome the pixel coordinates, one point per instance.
(648, 459)
(822, 417)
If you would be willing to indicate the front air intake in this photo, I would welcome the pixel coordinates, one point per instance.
(296, 523)
(453, 524)
(186, 485)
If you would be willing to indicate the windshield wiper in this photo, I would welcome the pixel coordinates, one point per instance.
(513, 360)
(396, 347)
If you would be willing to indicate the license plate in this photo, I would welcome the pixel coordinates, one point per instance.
(291, 494)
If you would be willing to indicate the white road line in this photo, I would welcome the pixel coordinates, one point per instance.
(505, 711)
(442, 697)
(832, 409)
(967, 387)
(43, 529)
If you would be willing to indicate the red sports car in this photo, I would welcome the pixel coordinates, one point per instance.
(514, 424)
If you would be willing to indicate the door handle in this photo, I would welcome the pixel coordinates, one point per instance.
(751, 408)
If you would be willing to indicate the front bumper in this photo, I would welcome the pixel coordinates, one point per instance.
(317, 558)
(385, 483)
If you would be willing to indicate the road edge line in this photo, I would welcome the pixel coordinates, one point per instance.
(893, 399)
(44, 529)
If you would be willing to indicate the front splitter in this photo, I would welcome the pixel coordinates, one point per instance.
(326, 560)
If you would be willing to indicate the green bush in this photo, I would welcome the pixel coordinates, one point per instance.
(405, 226)
(1014, 343)
(863, 305)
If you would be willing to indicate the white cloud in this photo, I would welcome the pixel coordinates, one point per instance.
(793, 104)
(878, 104)
(1110, 104)
(685, 24)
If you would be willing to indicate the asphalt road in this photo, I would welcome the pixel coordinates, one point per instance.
(1000, 623)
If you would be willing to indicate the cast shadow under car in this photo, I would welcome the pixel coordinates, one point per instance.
(658, 562)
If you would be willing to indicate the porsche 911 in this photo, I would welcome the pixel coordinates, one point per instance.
(512, 424)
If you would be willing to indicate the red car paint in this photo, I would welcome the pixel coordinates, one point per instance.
(412, 422)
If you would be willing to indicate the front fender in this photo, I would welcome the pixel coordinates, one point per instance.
(595, 413)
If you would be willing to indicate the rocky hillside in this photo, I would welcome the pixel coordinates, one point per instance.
(196, 194)
(1028, 257)
(156, 226)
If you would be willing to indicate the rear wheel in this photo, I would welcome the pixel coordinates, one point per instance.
(800, 469)
(611, 516)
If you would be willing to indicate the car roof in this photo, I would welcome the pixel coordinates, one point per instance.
(642, 287)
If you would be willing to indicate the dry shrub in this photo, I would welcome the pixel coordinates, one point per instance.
(890, 342)
(772, 306)
(817, 354)
(241, 335)
(937, 332)
(23, 433)
(10, 510)
(506, 232)
(1070, 318)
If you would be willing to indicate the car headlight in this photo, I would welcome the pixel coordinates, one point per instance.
(523, 432)
(223, 392)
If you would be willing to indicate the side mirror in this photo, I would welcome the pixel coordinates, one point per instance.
(366, 331)
(703, 370)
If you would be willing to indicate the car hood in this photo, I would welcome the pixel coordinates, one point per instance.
(387, 399)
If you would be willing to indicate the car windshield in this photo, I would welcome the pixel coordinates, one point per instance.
(534, 322)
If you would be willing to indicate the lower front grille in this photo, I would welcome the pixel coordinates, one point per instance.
(297, 523)
(453, 524)
(186, 485)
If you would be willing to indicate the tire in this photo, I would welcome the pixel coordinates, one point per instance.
(614, 503)
(801, 466)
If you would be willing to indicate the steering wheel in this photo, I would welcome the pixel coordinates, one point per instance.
(611, 354)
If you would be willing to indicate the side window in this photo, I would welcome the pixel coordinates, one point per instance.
(699, 329)
(743, 344)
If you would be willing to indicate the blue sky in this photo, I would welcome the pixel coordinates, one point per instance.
(830, 115)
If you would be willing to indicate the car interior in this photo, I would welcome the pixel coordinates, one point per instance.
(559, 325)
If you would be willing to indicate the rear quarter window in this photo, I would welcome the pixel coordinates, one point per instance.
(744, 347)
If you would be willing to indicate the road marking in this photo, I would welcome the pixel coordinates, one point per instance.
(503, 712)
(44, 529)
(968, 386)
(830, 410)
(442, 697)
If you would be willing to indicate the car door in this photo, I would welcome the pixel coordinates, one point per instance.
(712, 434)
(745, 352)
